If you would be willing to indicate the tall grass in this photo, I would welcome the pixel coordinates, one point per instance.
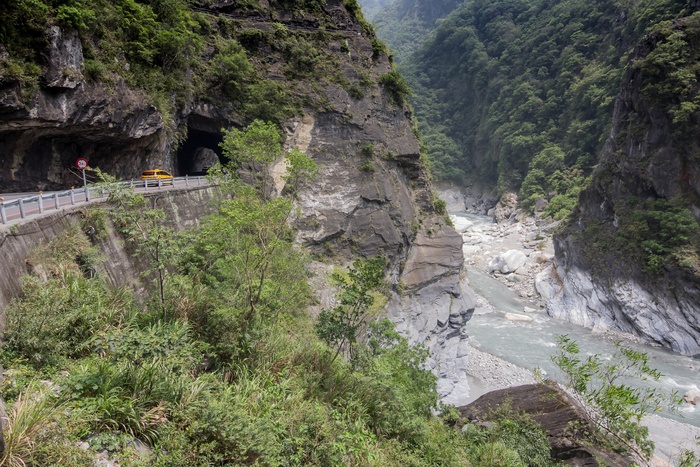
(31, 413)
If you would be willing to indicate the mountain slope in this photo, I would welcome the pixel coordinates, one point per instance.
(629, 258)
(500, 84)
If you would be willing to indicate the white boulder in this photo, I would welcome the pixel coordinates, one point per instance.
(518, 317)
(507, 262)
(692, 397)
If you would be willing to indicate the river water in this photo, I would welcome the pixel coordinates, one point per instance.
(531, 344)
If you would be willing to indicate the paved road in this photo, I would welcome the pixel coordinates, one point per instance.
(53, 200)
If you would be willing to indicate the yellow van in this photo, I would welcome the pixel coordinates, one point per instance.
(157, 174)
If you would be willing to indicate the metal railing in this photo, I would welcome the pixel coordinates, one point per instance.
(22, 208)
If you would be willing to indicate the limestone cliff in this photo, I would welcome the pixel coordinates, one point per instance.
(629, 258)
(318, 72)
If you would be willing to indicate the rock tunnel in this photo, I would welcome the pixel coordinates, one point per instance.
(199, 152)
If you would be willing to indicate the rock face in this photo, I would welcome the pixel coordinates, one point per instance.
(649, 161)
(203, 159)
(475, 198)
(507, 262)
(556, 412)
(506, 209)
(436, 304)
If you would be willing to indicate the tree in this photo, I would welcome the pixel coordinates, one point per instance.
(144, 226)
(255, 147)
(613, 405)
(340, 326)
(300, 169)
(245, 256)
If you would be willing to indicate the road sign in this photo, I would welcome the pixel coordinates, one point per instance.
(81, 163)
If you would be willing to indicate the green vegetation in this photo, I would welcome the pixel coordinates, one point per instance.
(615, 407)
(341, 326)
(654, 234)
(396, 86)
(670, 71)
(404, 24)
(663, 231)
(176, 56)
(499, 87)
(217, 361)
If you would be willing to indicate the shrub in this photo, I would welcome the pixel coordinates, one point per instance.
(615, 407)
(56, 318)
(440, 206)
(26, 418)
(396, 86)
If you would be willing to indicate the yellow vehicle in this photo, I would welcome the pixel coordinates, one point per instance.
(157, 174)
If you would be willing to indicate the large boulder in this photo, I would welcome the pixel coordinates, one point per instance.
(506, 209)
(556, 412)
(692, 397)
(507, 262)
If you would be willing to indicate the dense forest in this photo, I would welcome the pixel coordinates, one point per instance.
(519, 94)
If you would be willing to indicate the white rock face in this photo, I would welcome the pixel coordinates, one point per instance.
(518, 317)
(461, 224)
(622, 306)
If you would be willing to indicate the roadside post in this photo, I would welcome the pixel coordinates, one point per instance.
(81, 163)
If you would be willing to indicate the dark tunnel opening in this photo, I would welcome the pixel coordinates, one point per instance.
(199, 152)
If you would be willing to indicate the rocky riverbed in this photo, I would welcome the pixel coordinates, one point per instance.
(514, 252)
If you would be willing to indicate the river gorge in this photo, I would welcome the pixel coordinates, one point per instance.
(511, 336)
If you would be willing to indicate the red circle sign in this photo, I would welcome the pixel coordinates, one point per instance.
(81, 163)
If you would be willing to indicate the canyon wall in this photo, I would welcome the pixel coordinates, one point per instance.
(628, 259)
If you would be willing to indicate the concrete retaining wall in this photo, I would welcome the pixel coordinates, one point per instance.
(184, 208)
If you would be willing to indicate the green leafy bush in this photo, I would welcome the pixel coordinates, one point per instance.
(396, 86)
(662, 230)
(614, 406)
(55, 318)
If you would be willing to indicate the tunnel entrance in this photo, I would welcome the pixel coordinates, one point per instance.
(199, 152)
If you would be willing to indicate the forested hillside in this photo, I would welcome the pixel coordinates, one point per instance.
(520, 93)
(371, 7)
(405, 24)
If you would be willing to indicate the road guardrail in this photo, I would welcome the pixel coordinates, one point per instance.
(22, 208)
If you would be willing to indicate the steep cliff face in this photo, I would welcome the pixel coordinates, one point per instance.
(317, 71)
(629, 259)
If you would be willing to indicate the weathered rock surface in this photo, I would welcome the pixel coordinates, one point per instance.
(473, 198)
(506, 209)
(203, 159)
(602, 287)
(436, 305)
(556, 412)
(692, 397)
(65, 59)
